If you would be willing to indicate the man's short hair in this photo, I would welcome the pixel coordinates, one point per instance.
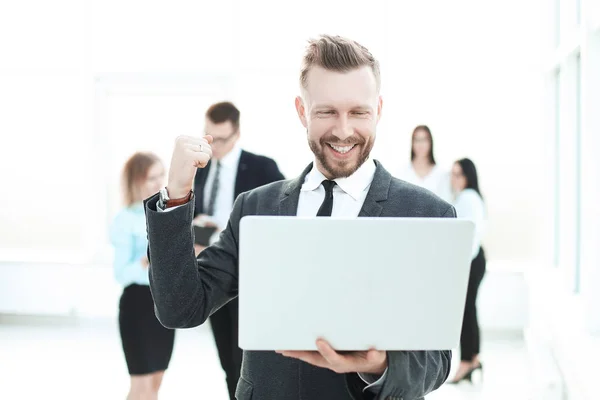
(223, 112)
(336, 53)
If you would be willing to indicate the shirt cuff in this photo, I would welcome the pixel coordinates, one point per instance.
(168, 209)
(373, 383)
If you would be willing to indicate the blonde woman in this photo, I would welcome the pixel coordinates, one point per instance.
(146, 343)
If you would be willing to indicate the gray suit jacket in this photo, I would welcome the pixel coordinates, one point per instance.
(187, 291)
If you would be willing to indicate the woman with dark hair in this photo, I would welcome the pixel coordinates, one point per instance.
(146, 343)
(468, 203)
(423, 170)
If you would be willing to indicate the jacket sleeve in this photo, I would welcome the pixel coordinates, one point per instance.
(186, 290)
(414, 374)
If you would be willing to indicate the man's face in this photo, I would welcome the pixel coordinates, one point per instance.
(340, 112)
(225, 137)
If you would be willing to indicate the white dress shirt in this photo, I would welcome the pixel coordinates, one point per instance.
(226, 192)
(348, 195)
(469, 205)
(437, 181)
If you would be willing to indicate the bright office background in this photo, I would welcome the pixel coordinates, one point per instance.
(514, 85)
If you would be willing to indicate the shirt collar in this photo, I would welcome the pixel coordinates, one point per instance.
(353, 185)
(232, 159)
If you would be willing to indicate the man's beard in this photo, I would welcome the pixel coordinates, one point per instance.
(341, 169)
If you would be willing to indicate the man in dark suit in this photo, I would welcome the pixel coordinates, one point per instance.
(231, 172)
(340, 107)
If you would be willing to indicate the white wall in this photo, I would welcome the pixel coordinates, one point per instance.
(101, 79)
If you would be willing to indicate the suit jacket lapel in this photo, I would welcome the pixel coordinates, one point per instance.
(242, 175)
(288, 204)
(378, 192)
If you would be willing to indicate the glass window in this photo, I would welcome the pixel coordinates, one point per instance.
(557, 168)
(568, 186)
(577, 273)
(557, 19)
(568, 20)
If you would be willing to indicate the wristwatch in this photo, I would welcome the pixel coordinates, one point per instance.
(164, 201)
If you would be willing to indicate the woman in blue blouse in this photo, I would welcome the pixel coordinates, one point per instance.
(146, 343)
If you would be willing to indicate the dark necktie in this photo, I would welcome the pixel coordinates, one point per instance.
(213, 191)
(327, 205)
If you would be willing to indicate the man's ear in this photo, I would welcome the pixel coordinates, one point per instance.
(301, 109)
(379, 108)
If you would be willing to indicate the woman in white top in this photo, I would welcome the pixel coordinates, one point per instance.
(422, 169)
(468, 203)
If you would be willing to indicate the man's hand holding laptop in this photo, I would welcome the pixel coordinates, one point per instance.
(369, 362)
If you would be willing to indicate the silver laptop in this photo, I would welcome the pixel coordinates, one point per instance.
(387, 283)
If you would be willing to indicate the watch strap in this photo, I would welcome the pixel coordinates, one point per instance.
(177, 202)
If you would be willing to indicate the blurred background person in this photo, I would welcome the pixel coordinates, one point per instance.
(146, 343)
(231, 172)
(469, 205)
(423, 169)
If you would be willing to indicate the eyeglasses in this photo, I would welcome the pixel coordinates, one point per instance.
(222, 140)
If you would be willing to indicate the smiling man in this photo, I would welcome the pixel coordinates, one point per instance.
(340, 107)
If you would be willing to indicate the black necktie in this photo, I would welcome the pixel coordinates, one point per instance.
(327, 205)
(213, 191)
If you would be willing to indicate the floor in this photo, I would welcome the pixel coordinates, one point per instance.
(50, 358)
